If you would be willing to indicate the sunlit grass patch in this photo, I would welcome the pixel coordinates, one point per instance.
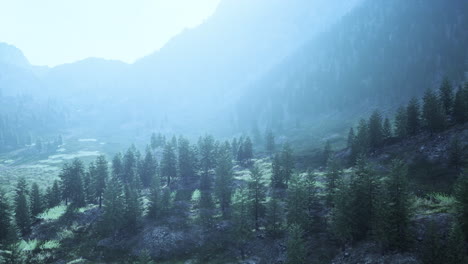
(53, 213)
(28, 245)
(50, 244)
(434, 203)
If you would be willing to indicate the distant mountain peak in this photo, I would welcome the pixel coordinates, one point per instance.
(11, 55)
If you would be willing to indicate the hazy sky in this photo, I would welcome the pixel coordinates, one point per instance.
(52, 32)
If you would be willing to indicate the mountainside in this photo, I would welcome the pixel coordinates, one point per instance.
(379, 55)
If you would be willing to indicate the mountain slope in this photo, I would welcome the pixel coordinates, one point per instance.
(379, 55)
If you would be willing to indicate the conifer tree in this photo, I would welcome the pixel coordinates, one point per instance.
(113, 204)
(296, 202)
(274, 217)
(397, 207)
(361, 142)
(413, 124)
(168, 164)
(387, 132)
(433, 112)
(241, 219)
(351, 138)
(22, 213)
(88, 188)
(206, 207)
(375, 130)
(186, 162)
(235, 147)
(277, 177)
(129, 166)
(154, 206)
(257, 195)
(54, 195)
(270, 142)
(296, 251)
(342, 213)
(314, 221)
(206, 146)
(287, 162)
(148, 168)
(247, 151)
(117, 166)
(223, 181)
(72, 184)
(36, 200)
(100, 179)
(5, 219)
(456, 250)
(461, 196)
(460, 106)
(365, 190)
(446, 96)
(401, 123)
(132, 207)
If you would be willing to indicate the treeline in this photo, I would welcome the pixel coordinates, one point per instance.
(437, 112)
(193, 186)
(24, 121)
(368, 205)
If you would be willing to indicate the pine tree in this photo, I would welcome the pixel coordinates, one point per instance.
(375, 130)
(257, 195)
(88, 187)
(117, 167)
(401, 123)
(456, 250)
(206, 207)
(53, 195)
(365, 189)
(148, 168)
(361, 142)
(460, 106)
(241, 219)
(277, 177)
(22, 213)
(461, 196)
(100, 179)
(36, 200)
(387, 132)
(433, 112)
(351, 138)
(274, 217)
(72, 184)
(186, 161)
(446, 96)
(168, 164)
(413, 123)
(287, 162)
(397, 207)
(314, 207)
(270, 142)
(342, 213)
(154, 206)
(223, 181)
(296, 251)
(206, 146)
(6, 226)
(112, 218)
(247, 151)
(129, 166)
(132, 207)
(296, 202)
(235, 147)
(327, 153)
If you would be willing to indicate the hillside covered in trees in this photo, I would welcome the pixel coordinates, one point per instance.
(274, 132)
